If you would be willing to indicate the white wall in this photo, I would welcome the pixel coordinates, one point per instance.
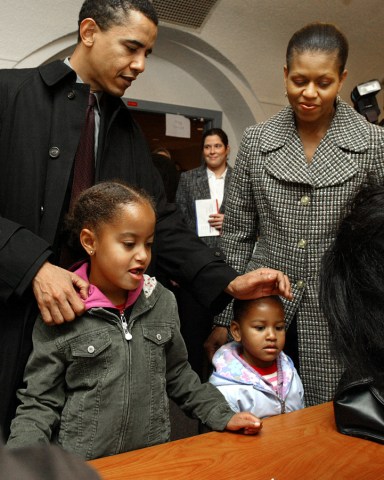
(233, 63)
(165, 82)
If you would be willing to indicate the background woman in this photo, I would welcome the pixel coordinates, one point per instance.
(294, 176)
(209, 181)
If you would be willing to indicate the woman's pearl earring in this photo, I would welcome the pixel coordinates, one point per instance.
(91, 252)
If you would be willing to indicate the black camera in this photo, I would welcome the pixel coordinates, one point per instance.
(364, 100)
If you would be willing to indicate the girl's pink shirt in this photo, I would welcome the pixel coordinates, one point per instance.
(97, 299)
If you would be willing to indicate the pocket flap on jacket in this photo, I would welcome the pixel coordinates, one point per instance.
(90, 344)
(157, 334)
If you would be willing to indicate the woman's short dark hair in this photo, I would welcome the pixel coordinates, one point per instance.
(352, 285)
(108, 13)
(319, 37)
(215, 131)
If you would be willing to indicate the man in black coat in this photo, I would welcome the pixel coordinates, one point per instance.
(42, 112)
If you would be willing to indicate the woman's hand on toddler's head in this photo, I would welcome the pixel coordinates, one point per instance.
(245, 421)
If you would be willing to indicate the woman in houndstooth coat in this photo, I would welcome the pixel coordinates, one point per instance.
(292, 182)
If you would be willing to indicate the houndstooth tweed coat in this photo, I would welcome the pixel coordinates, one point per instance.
(194, 185)
(293, 209)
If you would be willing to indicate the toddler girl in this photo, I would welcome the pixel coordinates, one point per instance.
(253, 372)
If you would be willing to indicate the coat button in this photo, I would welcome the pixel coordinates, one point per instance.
(300, 284)
(91, 349)
(54, 152)
(302, 243)
(158, 336)
(71, 95)
(305, 200)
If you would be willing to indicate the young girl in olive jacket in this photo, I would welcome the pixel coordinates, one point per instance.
(100, 385)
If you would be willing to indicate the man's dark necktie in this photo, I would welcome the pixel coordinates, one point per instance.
(84, 164)
(83, 174)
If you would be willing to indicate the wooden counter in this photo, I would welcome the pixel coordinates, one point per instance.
(302, 445)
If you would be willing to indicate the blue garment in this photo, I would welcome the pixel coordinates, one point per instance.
(247, 391)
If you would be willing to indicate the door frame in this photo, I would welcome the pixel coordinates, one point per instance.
(213, 118)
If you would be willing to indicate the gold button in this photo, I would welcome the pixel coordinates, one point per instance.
(302, 243)
(300, 284)
(305, 200)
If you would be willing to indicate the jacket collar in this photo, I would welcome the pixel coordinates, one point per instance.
(201, 171)
(56, 71)
(230, 367)
(151, 293)
(52, 73)
(284, 122)
(280, 140)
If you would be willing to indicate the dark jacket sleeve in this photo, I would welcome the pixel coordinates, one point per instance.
(39, 463)
(21, 255)
(178, 252)
(22, 252)
(184, 201)
(187, 260)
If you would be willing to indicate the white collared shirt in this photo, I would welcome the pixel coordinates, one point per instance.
(216, 186)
